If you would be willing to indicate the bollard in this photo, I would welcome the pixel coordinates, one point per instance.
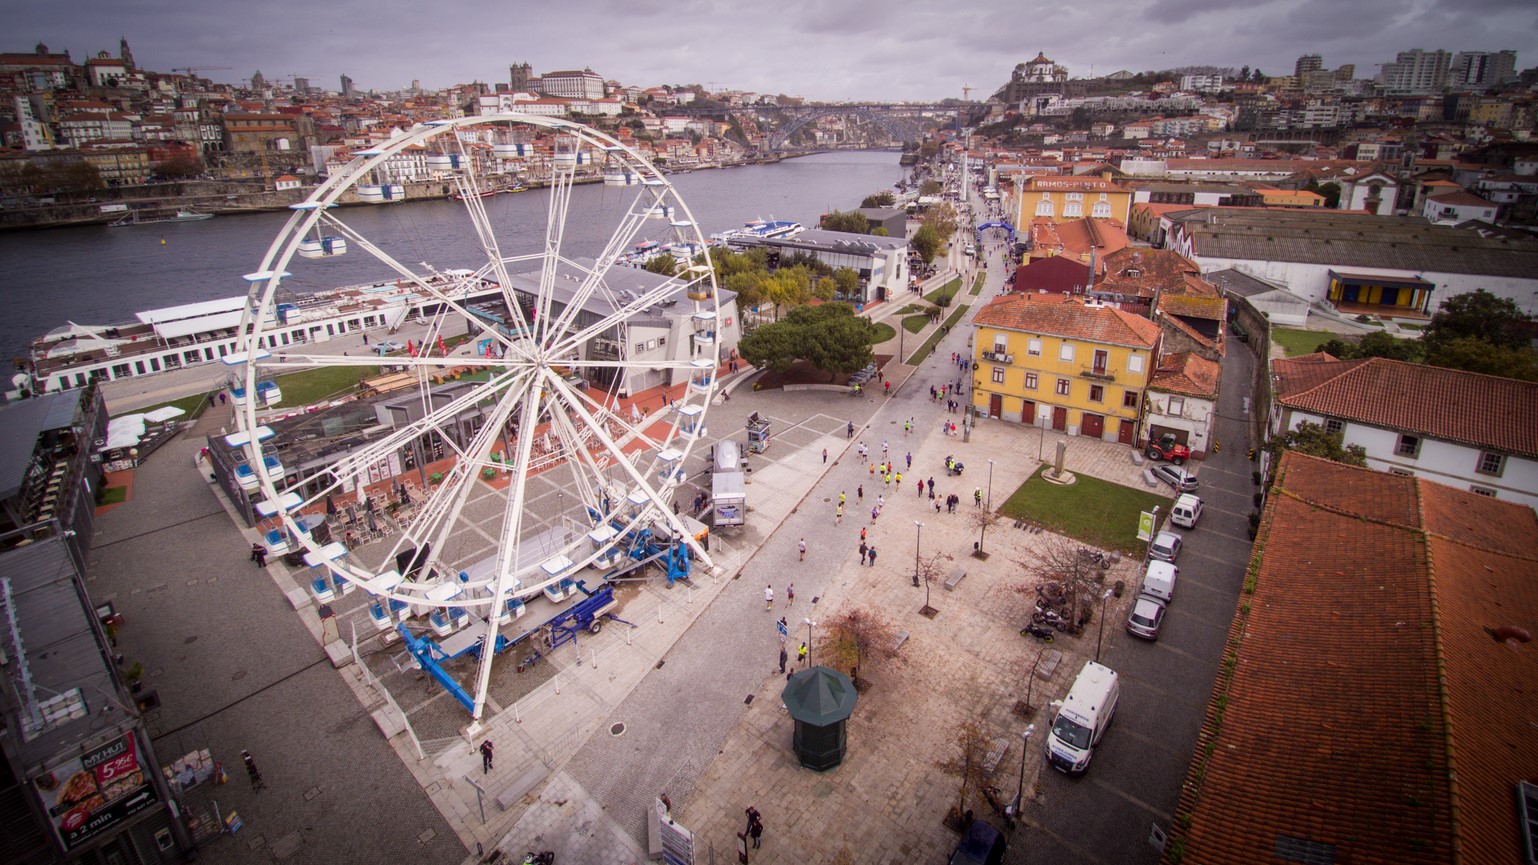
(659, 614)
(517, 715)
(557, 680)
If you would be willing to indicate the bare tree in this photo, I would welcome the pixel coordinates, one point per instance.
(983, 520)
(926, 569)
(857, 637)
(968, 762)
(1065, 578)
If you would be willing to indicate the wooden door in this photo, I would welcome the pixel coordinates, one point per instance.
(1028, 412)
(995, 405)
(1093, 425)
(1059, 418)
(1125, 435)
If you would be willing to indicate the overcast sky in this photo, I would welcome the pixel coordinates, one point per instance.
(820, 49)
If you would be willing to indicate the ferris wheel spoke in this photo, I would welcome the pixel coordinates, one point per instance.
(561, 183)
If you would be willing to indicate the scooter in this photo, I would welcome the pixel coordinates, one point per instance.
(1037, 631)
(543, 857)
(953, 466)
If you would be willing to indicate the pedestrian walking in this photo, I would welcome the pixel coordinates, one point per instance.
(880, 501)
(223, 397)
(790, 595)
(920, 489)
(783, 657)
(899, 480)
(874, 512)
(252, 772)
(824, 456)
(909, 458)
(768, 597)
(487, 751)
(259, 555)
(755, 825)
(840, 496)
(873, 470)
(931, 487)
(937, 504)
(801, 654)
(977, 497)
(888, 478)
(838, 516)
(864, 550)
(873, 557)
(801, 547)
(862, 534)
(859, 494)
(883, 449)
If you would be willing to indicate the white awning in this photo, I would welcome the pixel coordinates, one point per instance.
(201, 324)
(191, 310)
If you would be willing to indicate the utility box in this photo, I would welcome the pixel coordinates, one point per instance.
(758, 434)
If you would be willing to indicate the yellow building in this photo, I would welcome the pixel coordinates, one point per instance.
(1274, 197)
(1074, 198)
(1055, 361)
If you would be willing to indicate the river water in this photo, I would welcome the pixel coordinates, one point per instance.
(101, 275)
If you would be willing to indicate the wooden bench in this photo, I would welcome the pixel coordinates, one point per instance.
(897, 643)
(956, 577)
(995, 754)
(509, 795)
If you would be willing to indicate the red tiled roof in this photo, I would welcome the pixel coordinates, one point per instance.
(1186, 373)
(1367, 706)
(1452, 405)
(1101, 324)
(1459, 198)
(1193, 306)
(1057, 273)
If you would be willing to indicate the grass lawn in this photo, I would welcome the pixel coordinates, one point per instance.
(1296, 342)
(314, 385)
(947, 291)
(929, 344)
(192, 405)
(977, 284)
(881, 332)
(1097, 512)
(114, 495)
(915, 323)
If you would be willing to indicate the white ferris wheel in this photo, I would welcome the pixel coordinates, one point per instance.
(547, 404)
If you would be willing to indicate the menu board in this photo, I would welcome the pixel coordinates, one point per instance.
(86, 796)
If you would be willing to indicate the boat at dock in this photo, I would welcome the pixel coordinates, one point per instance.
(150, 217)
(159, 340)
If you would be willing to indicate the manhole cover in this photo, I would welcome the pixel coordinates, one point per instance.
(616, 729)
(190, 640)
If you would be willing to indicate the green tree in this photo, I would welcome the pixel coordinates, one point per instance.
(880, 231)
(1311, 438)
(851, 221)
(1331, 193)
(930, 186)
(829, 336)
(824, 288)
(179, 166)
(885, 198)
(1377, 344)
(926, 242)
(1479, 314)
(664, 264)
(943, 217)
(848, 280)
(751, 288)
(1472, 354)
(774, 346)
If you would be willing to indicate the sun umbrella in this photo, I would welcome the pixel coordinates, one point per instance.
(330, 506)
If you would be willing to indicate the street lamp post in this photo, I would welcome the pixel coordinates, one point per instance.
(1101, 639)
(809, 626)
(1025, 744)
(918, 534)
(982, 526)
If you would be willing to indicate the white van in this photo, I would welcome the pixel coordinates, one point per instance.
(1159, 581)
(1083, 718)
(1186, 511)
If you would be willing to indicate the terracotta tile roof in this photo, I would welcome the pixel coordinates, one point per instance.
(1460, 198)
(1188, 306)
(1186, 373)
(1056, 273)
(1452, 405)
(1100, 324)
(1367, 714)
(1155, 269)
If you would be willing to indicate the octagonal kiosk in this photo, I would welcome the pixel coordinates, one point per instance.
(820, 701)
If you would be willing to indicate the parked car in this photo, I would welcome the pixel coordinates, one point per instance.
(982, 844)
(1186, 511)
(1165, 547)
(1177, 477)
(387, 346)
(1146, 617)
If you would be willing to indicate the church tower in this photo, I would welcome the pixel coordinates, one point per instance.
(124, 54)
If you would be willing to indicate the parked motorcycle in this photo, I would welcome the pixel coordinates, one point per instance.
(1100, 558)
(1037, 631)
(543, 857)
(953, 466)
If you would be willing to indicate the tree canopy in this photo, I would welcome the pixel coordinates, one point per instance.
(1482, 315)
(1376, 344)
(1313, 439)
(926, 242)
(828, 336)
(664, 264)
(884, 198)
(851, 221)
(943, 217)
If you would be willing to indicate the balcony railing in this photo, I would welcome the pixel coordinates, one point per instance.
(998, 357)
(1103, 373)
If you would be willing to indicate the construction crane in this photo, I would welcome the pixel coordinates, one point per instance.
(191, 70)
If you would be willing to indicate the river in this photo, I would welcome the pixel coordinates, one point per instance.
(101, 275)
